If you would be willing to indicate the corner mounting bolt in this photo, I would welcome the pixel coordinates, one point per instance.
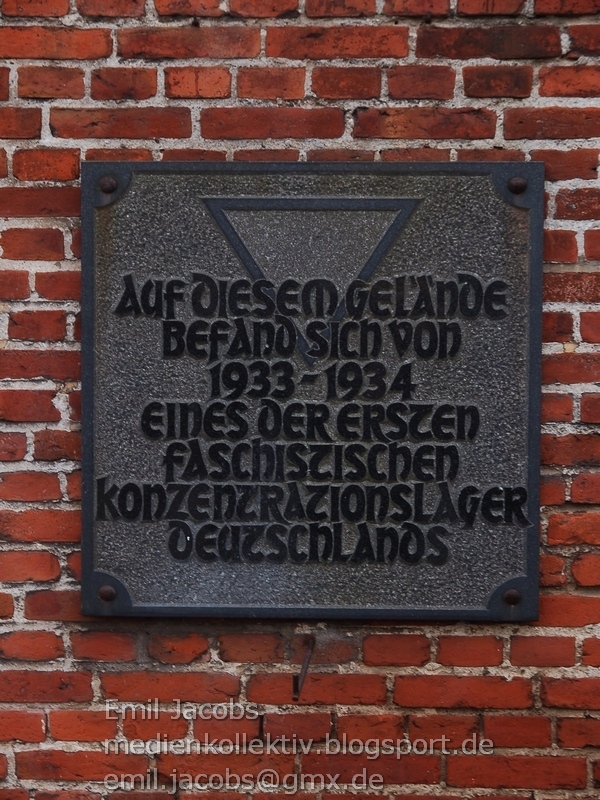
(512, 597)
(517, 185)
(107, 184)
(107, 593)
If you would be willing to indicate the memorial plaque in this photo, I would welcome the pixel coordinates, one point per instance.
(312, 390)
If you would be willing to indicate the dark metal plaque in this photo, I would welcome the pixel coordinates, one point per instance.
(312, 390)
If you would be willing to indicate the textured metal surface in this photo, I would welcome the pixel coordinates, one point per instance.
(412, 227)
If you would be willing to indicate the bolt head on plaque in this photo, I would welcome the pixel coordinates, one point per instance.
(107, 184)
(517, 185)
(512, 597)
(107, 593)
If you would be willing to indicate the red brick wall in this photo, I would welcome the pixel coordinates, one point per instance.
(323, 80)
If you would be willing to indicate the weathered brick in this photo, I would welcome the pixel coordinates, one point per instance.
(62, 201)
(20, 123)
(21, 686)
(500, 41)
(337, 42)
(54, 43)
(31, 646)
(230, 42)
(271, 123)
(551, 123)
(416, 8)
(53, 364)
(563, 165)
(517, 772)
(518, 731)
(177, 649)
(254, 647)
(425, 123)
(560, 247)
(340, 8)
(503, 81)
(111, 8)
(575, 81)
(196, 8)
(123, 83)
(446, 691)
(40, 526)
(51, 82)
(318, 688)
(23, 726)
(262, 8)
(35, 8)
(556, 407)
(198, 687)
(17, 565)
(396, 650)
(38, 326)
(121, 123)
(341, 82)
(192, 82)
(469, 651)
(83, 765)
(490, 7)
(592, 244)
(270, 83)
(421, 82)
(65, 285)
(586, 567)
(32, 244)
(103, 646)
(542, 651)
(29, 486)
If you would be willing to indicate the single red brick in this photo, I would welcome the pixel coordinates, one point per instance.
(193, 155)
(7, 605)
(491, 154)
(72, 725)
(517, 772)
(370, 726)
(469, 651)
(551, 123)
(123, 83)
(56, 445)
(552, 489)
(75, 405)
(4, 83)
(227, 728)
(499, 41)
(568, 611)
(518, 731)
(591, 652)
(424, 123)
(199, 687)
(40, 202)
(82, 765)
(575, 287)
(40, 526)
(592, 244)
(263, 648)
(3, 163)
(21, 726)
(340, 8)
(348, 41)
(39, 326)
(74, 565)
(13, 446)
(415, 154)
(586, 567)
(590, 326)
(553, 570)
(576, 81)
(501, 81)
(585, 39)
(578, 528)
(26, 686)
(560, 247)
(103, 646)
(165, 723)
(571, 450)
(121, 123)
(55, 43)
(58, 285)
(271, 123)
(74, 485)
(263, 8)
(456, 728)
(318, 688)
(581, 693)
(118, 154)
(46, 165)
(341, 82)
(76, 242)
(20, 123)
(192, 82)
(54, 604)
(449, 691)
(178, 649)
(65, 794)
(396, 649)
(194, 8)
(557, 326)
(31, 646)
(416, 8)
(24, 405)
(305, 726)
(278, 154)
(590, 408)
(232, 41)
(557, 407)
(270, 83)
(571, 368)
(35, 8)
(566, 7)
(542, 651)
(56, 365)
(111, 8)
(17, 565)
(563, 165)
(578, 732)
(330, 648)
(418, 82)
(29, 486)
(340, 155)
(490, 7)
(51, 82)
(32, 244)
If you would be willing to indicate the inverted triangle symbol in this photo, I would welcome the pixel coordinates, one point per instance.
(262, 253)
